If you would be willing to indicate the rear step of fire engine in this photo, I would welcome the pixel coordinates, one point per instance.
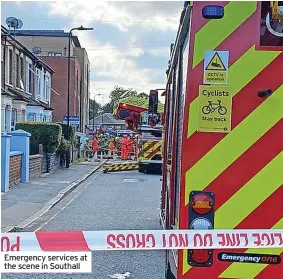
(120, 167)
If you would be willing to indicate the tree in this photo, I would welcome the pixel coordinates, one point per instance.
(94, 109)
(143, 95)
(119, 92)
(107, 108)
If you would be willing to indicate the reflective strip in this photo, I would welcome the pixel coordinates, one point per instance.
(233, 146)
(235, 13)
(251, 63)
(155, 150)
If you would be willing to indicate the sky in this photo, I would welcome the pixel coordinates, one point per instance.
(128, 47)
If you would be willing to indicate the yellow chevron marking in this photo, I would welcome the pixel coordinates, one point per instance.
(246, 270)
(235, 143)
(270, 175)
(215, 32)
(157, 145)
(251, 63)
(251, 195)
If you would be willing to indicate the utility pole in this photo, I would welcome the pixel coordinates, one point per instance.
(93, 115)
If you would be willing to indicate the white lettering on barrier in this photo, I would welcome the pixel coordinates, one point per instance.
(149, 240)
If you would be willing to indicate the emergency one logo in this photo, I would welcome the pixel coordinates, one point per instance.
(249, 258)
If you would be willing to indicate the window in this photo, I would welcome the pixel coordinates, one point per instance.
(13, 119)
(28, 77)
(10, 66)
(31, 117)
(18, 70)
(2, 66)
(22, 73)
(23, 116)
(37, 83)
(47, 87)
(44, 118)
(6, 119)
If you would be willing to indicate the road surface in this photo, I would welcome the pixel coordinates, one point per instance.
(113, 201)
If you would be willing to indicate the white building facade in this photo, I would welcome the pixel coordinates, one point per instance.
(25, 87)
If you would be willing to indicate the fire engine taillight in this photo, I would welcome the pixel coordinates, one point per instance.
(202, 204)
(201, 224)
(201, 217)
(200, 256)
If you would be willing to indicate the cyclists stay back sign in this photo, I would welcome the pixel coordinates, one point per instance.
(215, 104)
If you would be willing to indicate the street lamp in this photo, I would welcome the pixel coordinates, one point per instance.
(81, 28)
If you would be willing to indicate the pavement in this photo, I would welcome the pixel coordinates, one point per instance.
(25, 202)
(112, 201)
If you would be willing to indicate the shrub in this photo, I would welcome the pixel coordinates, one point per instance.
(72, 132)
(63, 147)
(47, 134)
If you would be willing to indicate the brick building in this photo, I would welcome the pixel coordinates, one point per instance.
(54, 51)
(60, 85)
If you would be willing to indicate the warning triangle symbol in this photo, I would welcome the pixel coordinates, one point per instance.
(215, 63)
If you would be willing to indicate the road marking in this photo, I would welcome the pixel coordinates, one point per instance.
(120, 276)
(130, 180)
(56, 214)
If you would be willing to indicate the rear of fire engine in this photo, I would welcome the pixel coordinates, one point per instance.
(222, 164)
(150, 140)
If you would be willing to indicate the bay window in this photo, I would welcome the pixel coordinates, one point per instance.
(28, 76)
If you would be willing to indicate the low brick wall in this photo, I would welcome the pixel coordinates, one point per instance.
(15, 168)
(35, 166)
(50, 162)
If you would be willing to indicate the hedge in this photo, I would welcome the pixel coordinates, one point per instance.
(72, 132)
(47, 134)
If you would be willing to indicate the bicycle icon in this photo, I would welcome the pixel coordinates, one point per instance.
(212, 107)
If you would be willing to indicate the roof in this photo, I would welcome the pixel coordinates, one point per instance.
(46, 33)
(36, 103)
(107, 118)
(18, 95)
(29, 53)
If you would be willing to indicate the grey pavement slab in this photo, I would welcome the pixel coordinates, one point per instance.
(26, 199)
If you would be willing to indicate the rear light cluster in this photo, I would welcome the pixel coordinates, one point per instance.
(201, 217)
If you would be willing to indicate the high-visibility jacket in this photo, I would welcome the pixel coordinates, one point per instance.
(129, 145)
(111, 146)
(95, 145)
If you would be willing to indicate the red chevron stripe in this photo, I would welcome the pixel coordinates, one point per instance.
(62, 241)
(236, 38)
(260, 218)
(248, 165)
(272, 271)
(149, 146)
(200, 143)
(153, 152)
(230, 178)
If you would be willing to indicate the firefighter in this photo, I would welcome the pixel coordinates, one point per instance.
(117, 145)
(124, 143)
(95, 147)
(100, 144)
(111, 146)
(129, 146)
